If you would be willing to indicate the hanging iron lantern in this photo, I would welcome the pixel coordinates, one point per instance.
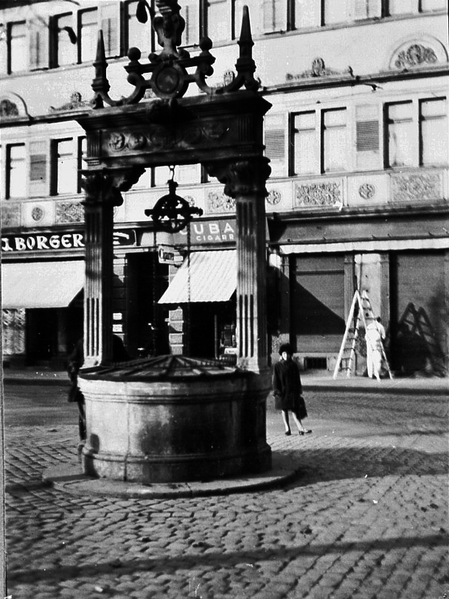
(172, 213)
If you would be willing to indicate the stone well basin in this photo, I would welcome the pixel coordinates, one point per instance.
(174, 419)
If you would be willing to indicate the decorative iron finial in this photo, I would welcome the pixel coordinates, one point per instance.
(170, 78)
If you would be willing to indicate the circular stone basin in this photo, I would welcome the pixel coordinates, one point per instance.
(174, 419)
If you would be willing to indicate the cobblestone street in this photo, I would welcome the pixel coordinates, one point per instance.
(365, 518)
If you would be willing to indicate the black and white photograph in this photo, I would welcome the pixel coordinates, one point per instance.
(224, 286)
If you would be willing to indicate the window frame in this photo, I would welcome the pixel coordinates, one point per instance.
(9, 169)
(13, 50)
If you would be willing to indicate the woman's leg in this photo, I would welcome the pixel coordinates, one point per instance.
(299, 424)
(286, 422)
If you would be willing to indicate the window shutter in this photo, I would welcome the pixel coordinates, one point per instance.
(38, 168)
(367, 136)
(108, 21)
(275, 143)
(274, 15)
(366, 9)
(38, 44)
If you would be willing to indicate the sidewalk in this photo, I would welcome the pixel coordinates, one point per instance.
(311, 381)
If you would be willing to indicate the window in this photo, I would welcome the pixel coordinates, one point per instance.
(82, 164)
(38, 44)
(401, 146)
(64, 163)
(16, 177)
(430, 5)
(417, 133)
(398, 7)
(306, 13)
(185, 174)
(320, 141)
(351, 10)
(108, 22)
(38, 168)
(367, 137)
(17, 47)
(275, 143)
(88, 33)
(218, 20)
(434, 133)
(274, 15)
(334, 140)
(191, 14)
(138, 35)
(305, 143)
(66, 50)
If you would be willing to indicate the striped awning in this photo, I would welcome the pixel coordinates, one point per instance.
(209, 276)
(52, 284)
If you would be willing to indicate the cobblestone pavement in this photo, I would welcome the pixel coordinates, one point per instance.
(366, 517)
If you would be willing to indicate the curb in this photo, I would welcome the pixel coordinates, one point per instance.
(428, 390)
(70, 479)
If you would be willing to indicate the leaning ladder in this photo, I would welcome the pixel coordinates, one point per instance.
(364, 316)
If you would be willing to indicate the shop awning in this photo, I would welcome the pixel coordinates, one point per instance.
(209, 276)
(41, 284)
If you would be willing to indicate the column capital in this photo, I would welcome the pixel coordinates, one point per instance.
(241, 177)
(105, 186)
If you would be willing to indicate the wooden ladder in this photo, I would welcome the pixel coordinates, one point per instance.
(363, 317)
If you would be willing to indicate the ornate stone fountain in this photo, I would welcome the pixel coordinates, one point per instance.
(175, 418)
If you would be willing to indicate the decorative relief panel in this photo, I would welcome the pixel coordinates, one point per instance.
(11, 215)
(69, 212)
(219, 202)
(367, 191)
(417, 187)
(274, 197)
(37, 213)
(158, 137)
(314, 195)
(414, 56)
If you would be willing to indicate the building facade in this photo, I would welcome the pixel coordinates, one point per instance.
(357, 136)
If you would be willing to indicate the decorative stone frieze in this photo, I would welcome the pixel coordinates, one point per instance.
(219, 202)
(69, 212)
(11, 215)
(158, 137)
(313, 195)
(412, 187)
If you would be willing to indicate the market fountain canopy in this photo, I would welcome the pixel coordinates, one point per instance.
(172, 69)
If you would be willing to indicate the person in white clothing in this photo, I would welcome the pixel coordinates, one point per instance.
(375, 334)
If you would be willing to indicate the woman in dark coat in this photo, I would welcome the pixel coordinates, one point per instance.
(287, 390)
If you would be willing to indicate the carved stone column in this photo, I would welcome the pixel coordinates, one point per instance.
(245, 181)
(102, 194)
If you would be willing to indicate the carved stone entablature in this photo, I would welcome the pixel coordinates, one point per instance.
(314, 195)
(157, 138)
(318, 69)
(241, 177)
(11, 215)
(69, 212)
(219, 202)
(417, 187)
(76, 101)
(106, 187)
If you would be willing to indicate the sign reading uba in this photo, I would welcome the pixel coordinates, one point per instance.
(218, 231)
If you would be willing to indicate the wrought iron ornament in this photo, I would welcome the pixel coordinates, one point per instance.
(170, 77)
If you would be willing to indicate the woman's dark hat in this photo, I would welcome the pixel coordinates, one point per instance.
(286, 347)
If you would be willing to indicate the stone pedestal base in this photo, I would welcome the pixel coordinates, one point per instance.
(193, 428)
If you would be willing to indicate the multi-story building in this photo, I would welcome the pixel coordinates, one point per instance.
(357, 137)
